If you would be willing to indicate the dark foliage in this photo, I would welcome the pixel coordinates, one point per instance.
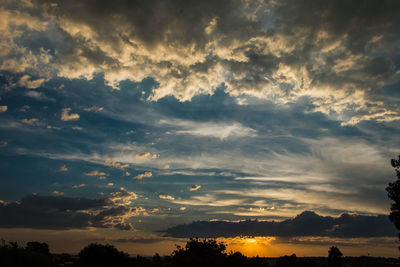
(35, 254)
(393, 190)
(97, 255)
(334, 257)
(196, 252)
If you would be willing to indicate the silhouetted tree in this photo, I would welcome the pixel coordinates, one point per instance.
(334, 257)
(196, 253)
(393, 190)
(97, 255)
(38, 247)
(35, 254)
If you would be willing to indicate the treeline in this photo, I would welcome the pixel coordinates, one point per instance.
(196, 253)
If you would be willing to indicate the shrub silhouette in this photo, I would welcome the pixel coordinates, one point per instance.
(97, 255)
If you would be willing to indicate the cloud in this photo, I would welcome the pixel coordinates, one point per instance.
(63, 168)
(305, 224)
(143, 155)
(166, 197)
(39, 96)
(94, 108)
(144, 175)
(25, 81)
(57, 193)
(78, 186)
(3, 109)
(66, 116)
(115, 164)
(211, 129)
(123, 197)
(31, 121)
(95, 173)
(194, 187)
(59, 212)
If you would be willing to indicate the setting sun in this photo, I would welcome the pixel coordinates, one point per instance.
(249, 246)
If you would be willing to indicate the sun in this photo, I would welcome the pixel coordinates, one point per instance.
(249, 246)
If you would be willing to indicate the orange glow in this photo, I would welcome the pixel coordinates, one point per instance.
(250, 246)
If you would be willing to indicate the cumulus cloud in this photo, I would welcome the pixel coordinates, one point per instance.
(281, 51)
(3, 109)
(144, 175)
(66, 116)
(305, 224)
(59, 212)
(166, 197)
(194, 187)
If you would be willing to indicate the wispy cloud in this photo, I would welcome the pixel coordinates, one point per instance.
(221, 130)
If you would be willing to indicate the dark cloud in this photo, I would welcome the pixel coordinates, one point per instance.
(307, 223)
(58, 212)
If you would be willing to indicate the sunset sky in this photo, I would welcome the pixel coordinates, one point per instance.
(269, 125)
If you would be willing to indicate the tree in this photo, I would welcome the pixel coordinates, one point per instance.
(207, 252)
(334, 256)
(393, 190)
(38, 247)
(97, 255)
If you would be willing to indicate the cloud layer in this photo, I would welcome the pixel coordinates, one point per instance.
(305, 224)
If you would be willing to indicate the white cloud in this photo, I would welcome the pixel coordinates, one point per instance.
(66, 116)
(221, 130)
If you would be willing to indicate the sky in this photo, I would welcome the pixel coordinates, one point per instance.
(268, 125)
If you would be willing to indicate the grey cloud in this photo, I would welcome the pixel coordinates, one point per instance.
(59, 212)
(39, 96)
(305, 224)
